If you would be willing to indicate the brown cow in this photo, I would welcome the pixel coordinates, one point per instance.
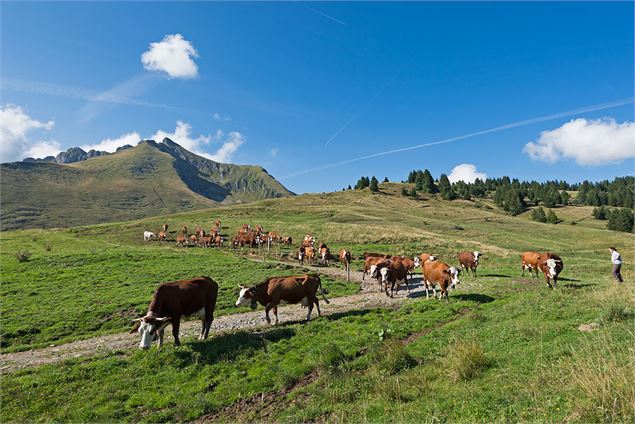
(218, 240)
(375, 255)
(205, 241)
(530, 260)
(298, 289)
(173, 300)
(422, 259)
(306, 254)
(162, 235)
(469, 261)
(407, 262)
(165, 228)
(393, 272)
(181, 241)
(325, 254)
(193, 238)
(345, 258)
(184, 230)
(442, 274)
(551, 265)
(288, 241)
(217, 223)
(369, 262)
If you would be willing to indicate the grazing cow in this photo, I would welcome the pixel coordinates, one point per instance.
(205, 241)
(441, 274)
(244, 239)
(390, 272)
(306, 254)
(288, 241)
(325, 254)
(193, 238)
(308, 241)
(271, 292)
(170, 302)
(407, 262)
(148, 235)
(184, 230)
(551, 265)
(162, 235)
(369, 262)
(165, 228)
(469, 261)
(218, 240)
(199, 232)
(181, 241)
(345, 258)
(530, 260)
(213, 232)
(217, 223)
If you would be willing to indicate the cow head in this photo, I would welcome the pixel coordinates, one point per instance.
(247, 296)
(373, 271)
(551, 265)
(453, 274)
(477, 255)
(149, 326)
(417, 262)
(384, 275)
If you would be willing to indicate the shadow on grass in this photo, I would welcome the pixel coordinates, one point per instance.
(496, 275)
(229, 346)
(578, 286)
(475, 297)
(569, 279)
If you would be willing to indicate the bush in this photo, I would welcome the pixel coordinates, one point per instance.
(47, 247)
(621, 219)
(552, 218)
(465, 360)
(539, 215)
(23, 255)
(413, 192)
(404, 192)
(601, 212)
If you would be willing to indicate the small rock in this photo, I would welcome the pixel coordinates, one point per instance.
(587, 328)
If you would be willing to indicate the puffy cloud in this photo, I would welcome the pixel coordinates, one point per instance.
(225, 153)
(183, 135)
(15, 125)
(221, 118)
(465, 172)
(111, 144)
(588, 142)
(174, 56)
(274, 152)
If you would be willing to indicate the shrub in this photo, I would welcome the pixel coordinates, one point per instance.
(552, 218)
(393, 357)
(538, 215)
(404, 192)
(47, 247)
(413, 192)
(465, 360)
(23, 255)
(374, 184)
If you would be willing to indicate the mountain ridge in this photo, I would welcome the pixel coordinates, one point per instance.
(145, 180)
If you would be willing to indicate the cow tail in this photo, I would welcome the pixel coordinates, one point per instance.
(323, 292)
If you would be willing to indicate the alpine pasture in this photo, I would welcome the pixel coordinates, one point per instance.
(503, 348)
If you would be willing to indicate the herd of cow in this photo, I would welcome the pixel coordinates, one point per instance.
(184, 298)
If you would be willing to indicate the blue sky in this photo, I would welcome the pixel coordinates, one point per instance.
(297, 86)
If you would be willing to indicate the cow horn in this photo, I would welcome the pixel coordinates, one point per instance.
(164, 319)
(557, 260)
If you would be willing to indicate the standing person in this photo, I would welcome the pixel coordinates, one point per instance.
(616, 260)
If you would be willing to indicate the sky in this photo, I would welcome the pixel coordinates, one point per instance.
(321, 93)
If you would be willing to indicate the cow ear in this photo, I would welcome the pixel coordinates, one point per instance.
(136, 326)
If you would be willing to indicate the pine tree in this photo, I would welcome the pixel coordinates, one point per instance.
(404, 192)
(538, 214)
(386, 180)
(445, 188)
(374, 184)
(564, 196)
(621, 219)
(349, 187)
(413, 192)
(428, 182)
(552, 218)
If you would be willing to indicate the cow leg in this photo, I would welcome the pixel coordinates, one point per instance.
(175, 332)
(161, 332)
(275, 313)
(407, 286)
(555, 281)
(267, 309)
(522, 267)
(310, 309)
(317, 305)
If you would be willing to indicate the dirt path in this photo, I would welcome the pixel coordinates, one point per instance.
(369, 297)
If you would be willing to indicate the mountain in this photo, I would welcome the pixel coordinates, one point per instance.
(146, 180)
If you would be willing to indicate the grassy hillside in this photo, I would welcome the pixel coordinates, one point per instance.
(504, 348)
(149, 179)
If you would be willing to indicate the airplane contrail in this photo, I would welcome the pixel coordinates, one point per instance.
(474, 134)
(323, 14)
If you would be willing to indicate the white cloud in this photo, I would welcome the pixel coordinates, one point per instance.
(274, 152)
(221, 118)
(233, 141)
(199, 145)
(42, 149)
(111, 144)
(173, 55)
(15, 125)
(465, 172)
(588, 142)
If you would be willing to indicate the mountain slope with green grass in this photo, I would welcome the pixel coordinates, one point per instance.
(147, 180)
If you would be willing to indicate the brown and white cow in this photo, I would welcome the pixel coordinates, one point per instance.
(369, 263)
(217, 223)
(181, 241)
(193, 238)
(345, 258)
(375, 255)
(325, 254)
(275, 290)
(205, 241)
(441, 274)
(408, 263)
(184, 230)
(390, 272)
(422, 259)
(165, 228)
(174, 300)
(287, 240)
(469, 261)
(162, 235)
(551, 265)
(530, 260)
(306, 254)
(218, 241)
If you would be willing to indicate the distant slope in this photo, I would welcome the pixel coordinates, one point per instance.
(149, 179)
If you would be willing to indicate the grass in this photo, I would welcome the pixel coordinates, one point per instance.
(504, 348)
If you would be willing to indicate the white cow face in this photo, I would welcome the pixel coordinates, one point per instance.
(417, 262)
(477, 255)
(149, 328)
(384, 275)
(454, 275)
(247, 296)
(373, 271)
(551, 265)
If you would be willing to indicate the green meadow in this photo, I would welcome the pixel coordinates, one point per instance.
(504, 348)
